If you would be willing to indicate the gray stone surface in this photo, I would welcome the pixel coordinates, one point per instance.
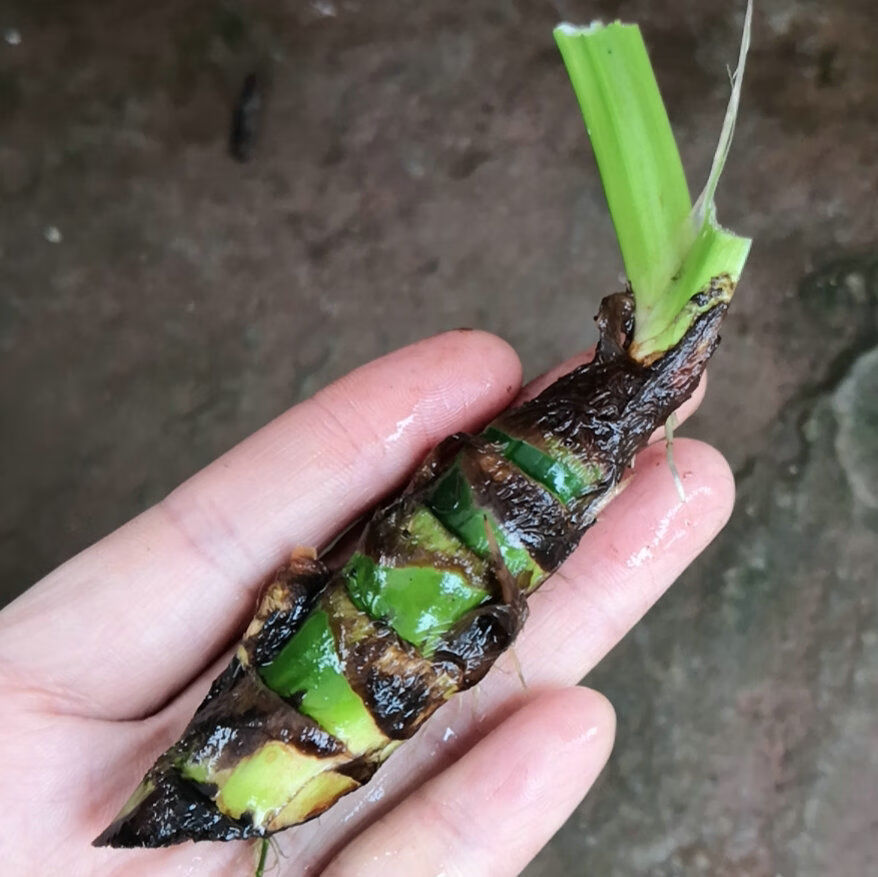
(423, 167)
(748, 700)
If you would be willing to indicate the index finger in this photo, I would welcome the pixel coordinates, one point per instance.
(116, 630)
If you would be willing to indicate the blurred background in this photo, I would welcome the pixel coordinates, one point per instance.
(423, 166)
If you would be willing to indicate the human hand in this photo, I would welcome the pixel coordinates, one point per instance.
(104, 661)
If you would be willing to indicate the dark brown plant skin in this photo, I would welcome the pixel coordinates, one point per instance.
(286, 601)
(602, 413)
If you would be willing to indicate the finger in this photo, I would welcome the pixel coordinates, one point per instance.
(492, 811)
(139, 613)
(537, 385)
(645, 539)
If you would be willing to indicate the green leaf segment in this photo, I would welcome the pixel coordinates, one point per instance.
(420, 603)
(309, 668)
(560, 472)
(671, 252)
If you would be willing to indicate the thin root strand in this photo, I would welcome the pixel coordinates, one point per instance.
(670, 426)
(513, 656)
(263, 855)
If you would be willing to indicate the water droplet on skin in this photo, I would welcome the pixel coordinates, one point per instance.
(639, 558)
(662, 536)
(400, 429)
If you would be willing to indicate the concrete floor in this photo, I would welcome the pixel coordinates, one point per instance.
(422, 167)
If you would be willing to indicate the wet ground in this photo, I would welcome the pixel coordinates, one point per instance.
(421, 167)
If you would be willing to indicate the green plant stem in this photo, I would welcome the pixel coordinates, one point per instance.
(671, 252)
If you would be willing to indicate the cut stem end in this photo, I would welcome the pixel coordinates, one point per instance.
(679, 260)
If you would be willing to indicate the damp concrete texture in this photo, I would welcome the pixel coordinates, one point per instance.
(423, 167)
